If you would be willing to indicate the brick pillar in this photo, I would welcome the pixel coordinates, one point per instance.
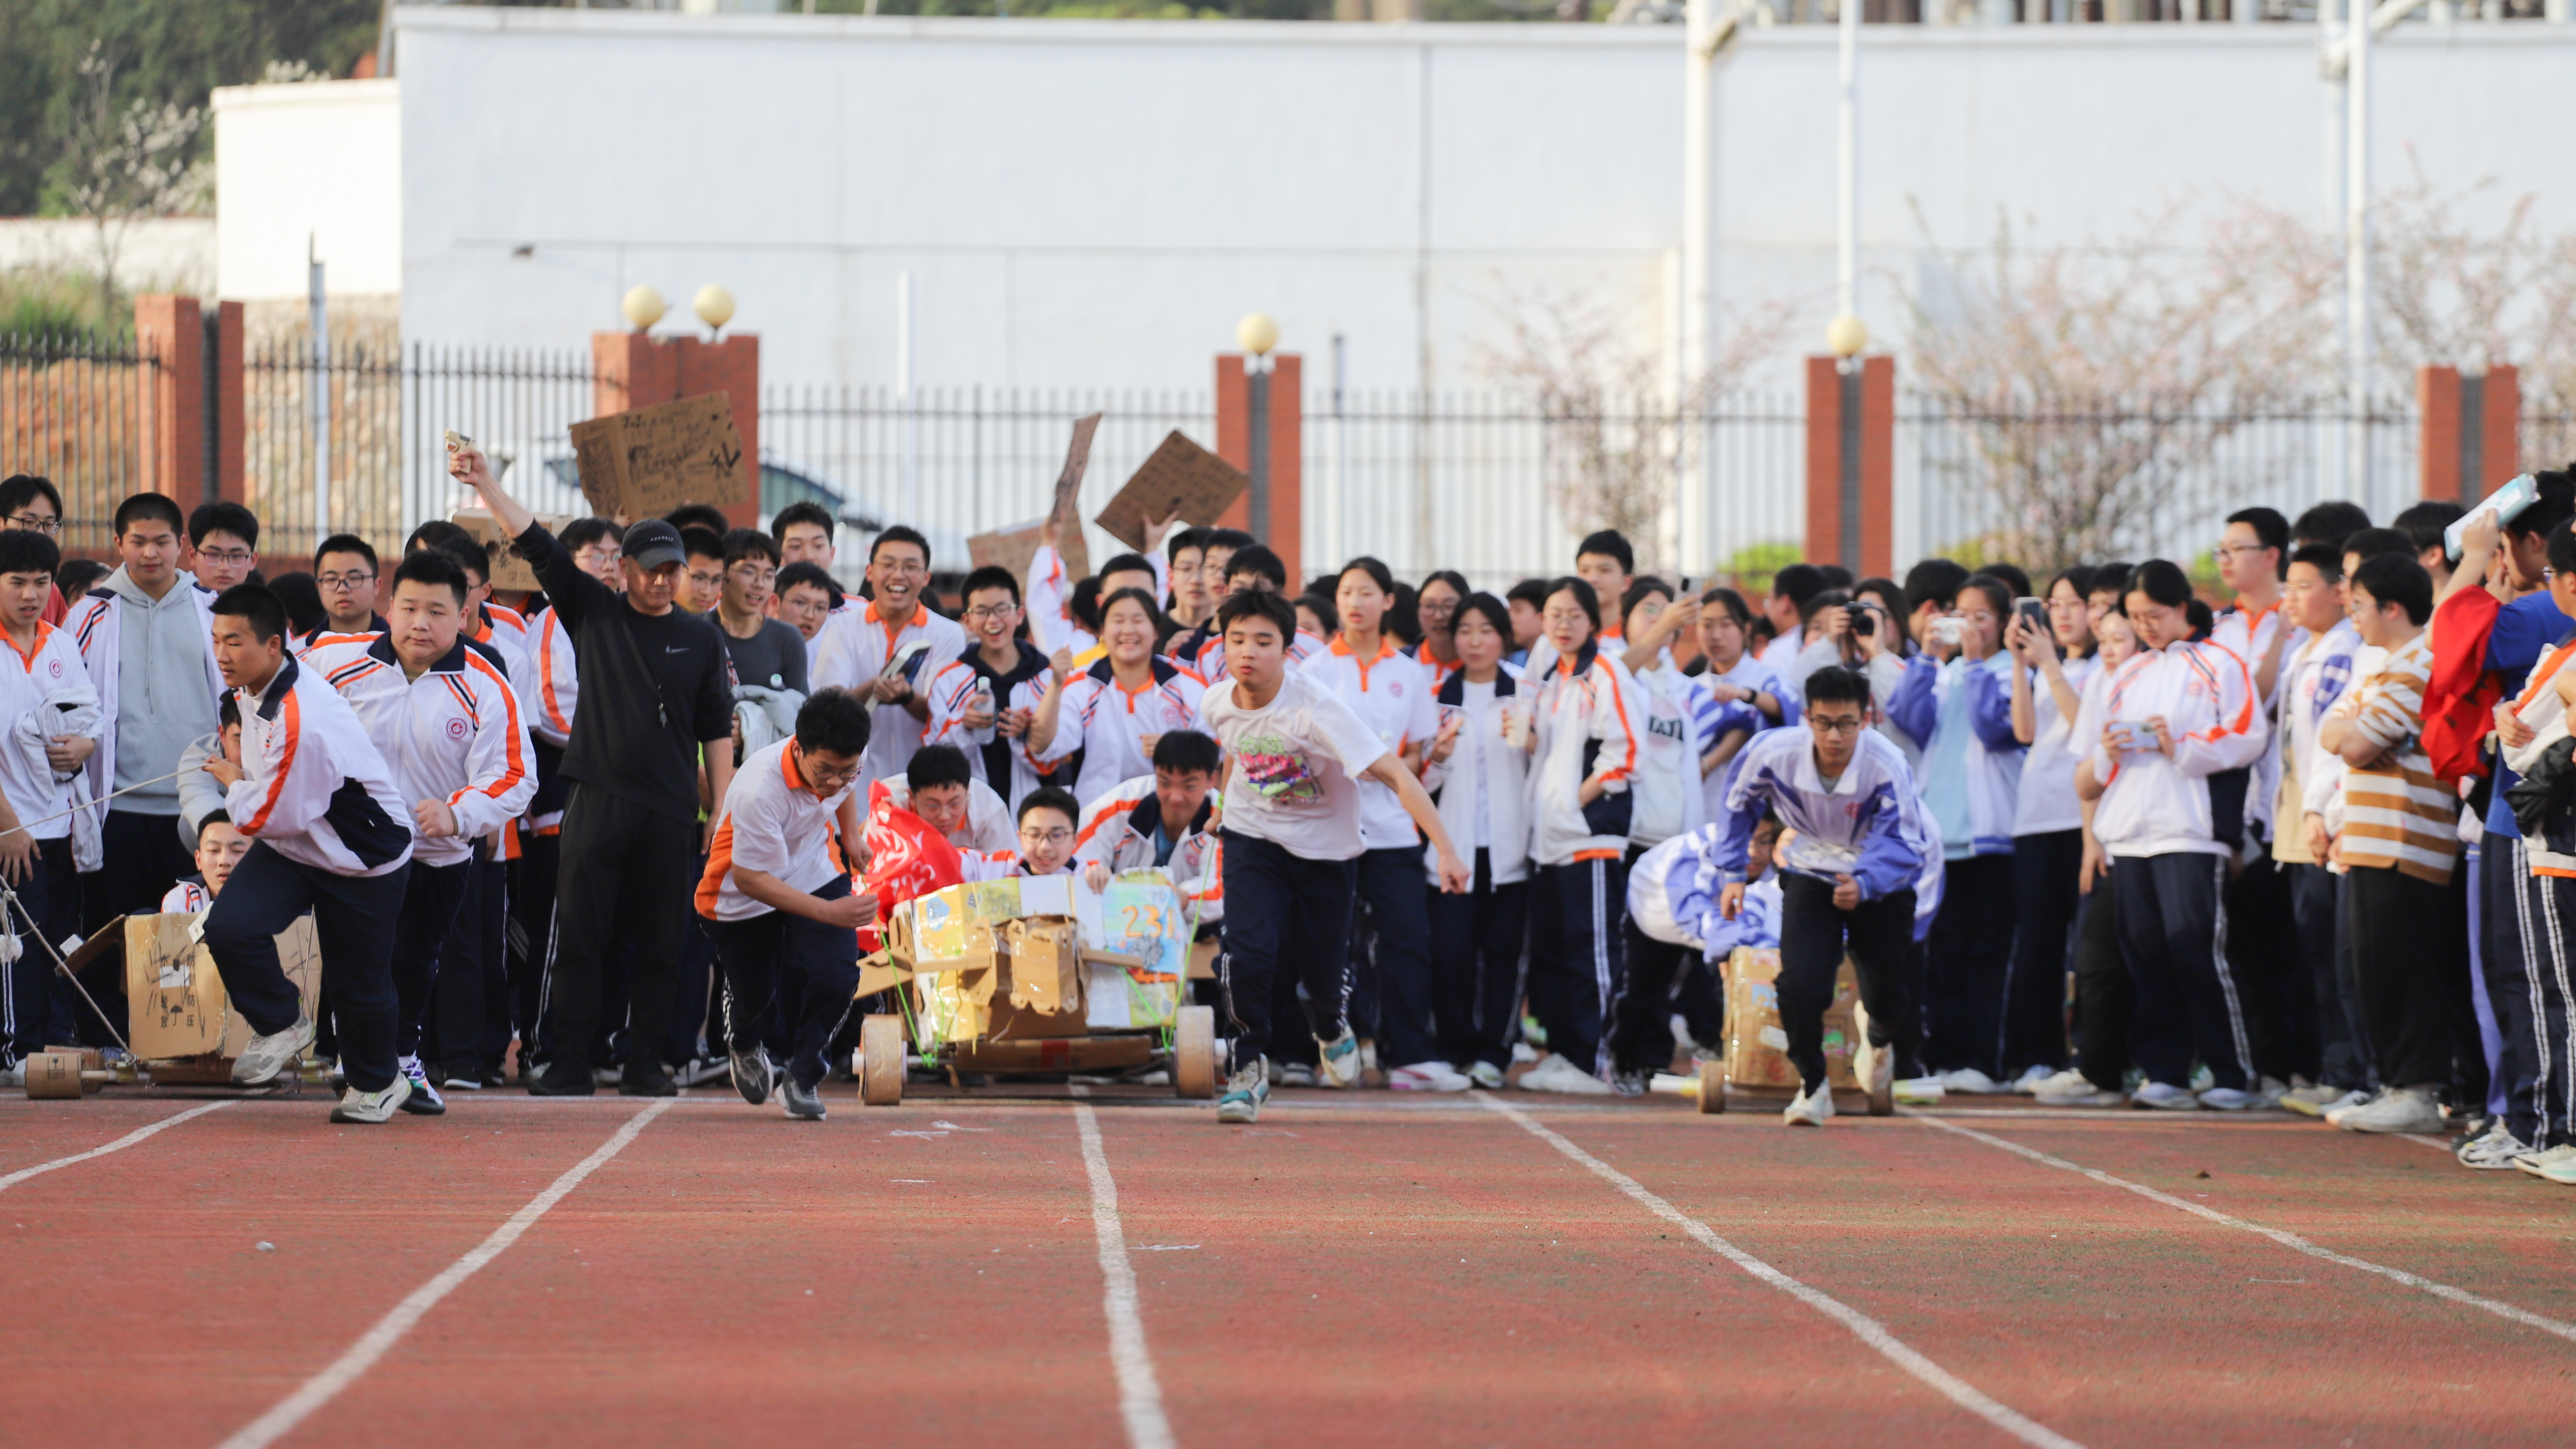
(2470, 443)
(634, 370)
(1284, 528)
(171, 331)
(1851, 512)
(223, 328)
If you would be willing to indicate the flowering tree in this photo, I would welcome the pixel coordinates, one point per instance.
(128, 164)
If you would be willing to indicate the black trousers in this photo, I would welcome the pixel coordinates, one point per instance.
(532, 939)
(1391, 885)
(1641, 1034)
(2047, 892)
(1285, 917)
(1578, 947)
(469, 1022)
(140, 858)
(431, 902)
(2106, 995)
(623, 878)
(755, 955)
(2469, 1076)
(36, 1004)
(2173, 933)
(2553, 1018)
(2263, 960)
(1968, 962)
(2316, 909)
(1815, 935)
(354, 921)
(2401, 948)
(1476, 942)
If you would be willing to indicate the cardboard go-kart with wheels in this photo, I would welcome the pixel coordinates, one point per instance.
(1755, 1061)
(1039, 975)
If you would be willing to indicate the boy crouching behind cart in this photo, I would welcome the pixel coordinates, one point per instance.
(777, 894)
(1861, 849)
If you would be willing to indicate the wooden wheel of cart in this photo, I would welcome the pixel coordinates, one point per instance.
(1194, 1053)
(1712, 1086)
(1882, 1103)
(881, 1061)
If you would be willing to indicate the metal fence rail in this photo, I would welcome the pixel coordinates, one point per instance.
(80, 412)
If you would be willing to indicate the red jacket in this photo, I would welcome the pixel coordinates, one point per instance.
(2461, 696)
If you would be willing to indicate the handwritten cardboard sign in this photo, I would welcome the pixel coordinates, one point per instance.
(1014, 547)
(1077, 461)
(1181, 477)
(506, 569)
(647, 461)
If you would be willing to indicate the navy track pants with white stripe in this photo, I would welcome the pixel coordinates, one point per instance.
(1578, 955)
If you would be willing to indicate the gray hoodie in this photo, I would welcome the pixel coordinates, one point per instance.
(162, 705)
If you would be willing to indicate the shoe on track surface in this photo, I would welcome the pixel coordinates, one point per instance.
(1293, 1074)
(2312, 1101)
(753, 1076)
(373, 1108)
(459, 1076)
(1556, 1074)
(266, 1056)
(644, 1077)
(2399, 1109)
(803, 1102)
(1245, 1091)
(2028, 1082)
(1874, 1065)
(2164, 1097)
(424, 1100)
(1341, 1063)
(1918, 1091)
(1969, 1082)
(1811, 1108)
(2538, 1159)
(1485, 1075)
(1427, 1077)
(2560, 1170)
(2353, 1101)
(564, 1079)
(2230, 1099)
(2493, 1152)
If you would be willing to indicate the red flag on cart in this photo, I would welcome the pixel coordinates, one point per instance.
(906, 858)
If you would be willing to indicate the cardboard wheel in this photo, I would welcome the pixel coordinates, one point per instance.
(1194, 1053)
(881, 1061)
(1712, 1086)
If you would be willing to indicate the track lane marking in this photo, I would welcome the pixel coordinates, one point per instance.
(379, 1340)
(2285, 1238)
(1140, 1394)
(119, 1145)
(1863, 1327)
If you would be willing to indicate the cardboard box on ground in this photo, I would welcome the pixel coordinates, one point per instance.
(1757, 1047)
(1031, 959)
(644, 462)
(176, 1005)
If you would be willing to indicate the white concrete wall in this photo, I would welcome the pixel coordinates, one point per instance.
(315, 159)
(1094, 203)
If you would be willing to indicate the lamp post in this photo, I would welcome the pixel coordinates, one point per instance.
(1845, 337)
(2356, 262)
(1257, 334)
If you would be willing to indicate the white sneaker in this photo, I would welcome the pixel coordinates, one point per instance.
(2399, 1109)
(2028, 1082)
(2494, 1152)
(2312, 1100)
(2229, 1099)
(1428, 1077)
(1341, 1060)
(1968, 1081)
(373, 1107)
(1485, 1075)
(266, 1056)
(1919, 1091)
(2080, 1093)
(1810, 1109)
(1556, 1074)
(1523, 1054)
(2537, 1163)
(13, 1075)
(2164, 1097)
(1874, 1066)
(2350, 1102)
(1295, 1074)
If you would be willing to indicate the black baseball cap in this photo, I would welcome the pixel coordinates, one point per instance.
(653, 543)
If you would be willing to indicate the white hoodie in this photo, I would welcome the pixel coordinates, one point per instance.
(1589, 712)
(2153, 805)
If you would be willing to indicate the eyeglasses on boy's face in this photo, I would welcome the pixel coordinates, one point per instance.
(1839, 725)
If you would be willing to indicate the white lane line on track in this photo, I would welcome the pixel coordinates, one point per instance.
(1863, 1327)
(2290, 1240)
(1140, 1394)
(376, 1342)
(119, 1145)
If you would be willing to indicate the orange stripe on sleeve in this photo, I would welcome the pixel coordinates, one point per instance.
(293, 719)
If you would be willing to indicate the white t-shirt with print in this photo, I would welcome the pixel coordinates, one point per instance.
(1296, 764)
(1392, 695)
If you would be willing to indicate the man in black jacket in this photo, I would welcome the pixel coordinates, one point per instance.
(653, 693)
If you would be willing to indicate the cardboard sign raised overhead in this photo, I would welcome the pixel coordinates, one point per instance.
(645, 462)
(1182, 478)
(506, 570)
(1013, 548)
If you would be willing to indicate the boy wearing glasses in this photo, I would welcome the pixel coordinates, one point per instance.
(27, 501)
(1863, 866)
(764, 652)
(777, 892)
(865, 652)
(983, 702)
(225, 537)
(344, 569)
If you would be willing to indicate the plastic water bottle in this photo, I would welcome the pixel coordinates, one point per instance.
(981, 699)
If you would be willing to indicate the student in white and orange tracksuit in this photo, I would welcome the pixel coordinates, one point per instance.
(443, 715)
(1584, 756)
(329, 834)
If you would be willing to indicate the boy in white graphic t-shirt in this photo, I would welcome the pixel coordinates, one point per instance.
(1291, 811)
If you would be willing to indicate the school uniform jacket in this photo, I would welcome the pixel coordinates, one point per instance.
(1588, 711)
(1993, 753)
(1669, 794)
(2152, 805)
(95, 626)
(951, 693)
(318, 791)
(2552, 851)
(1118, 831)
(1483, 756)
(1107, 721)
(552, 685)
(1672, 897)
(1872, 817)
(455, 734)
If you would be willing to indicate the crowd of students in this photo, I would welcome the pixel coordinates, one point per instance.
(2091, 841)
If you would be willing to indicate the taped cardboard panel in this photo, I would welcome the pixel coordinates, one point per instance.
(1181, 477)
(176, 1004)
(504, 567)
(1045, 965)
(646, 461)
(1756, 1045)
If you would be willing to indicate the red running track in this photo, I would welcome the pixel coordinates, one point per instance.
(1358, 1269)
